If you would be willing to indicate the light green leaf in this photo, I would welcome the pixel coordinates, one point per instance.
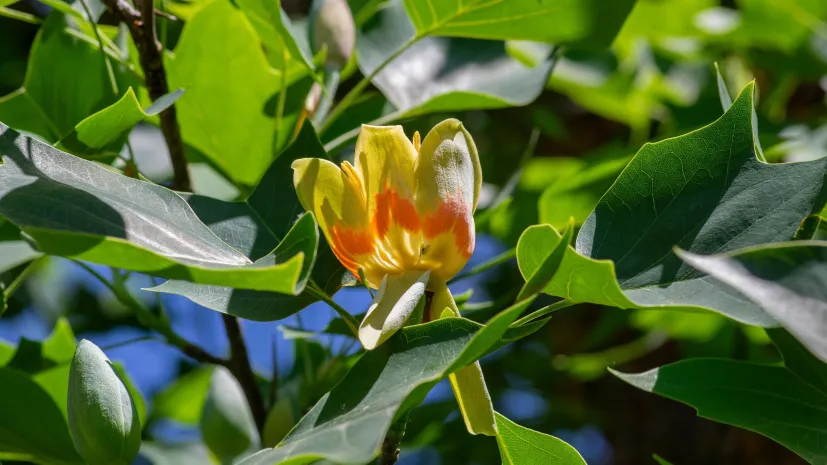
(111, 123)
(548, 267)
(87, 212)
(183, 400)
(32, 427)
(442, 74)
(586, 23)
(60, 345)
(767, 399)
(787, 280)
(348, 424)
(66, 81)
(176, 454)
(523, 446)
(705, 192)
(102, 416)
(228, 112)
(254, 227)
(227, 425)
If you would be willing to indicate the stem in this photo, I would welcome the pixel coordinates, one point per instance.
(354, 93)
(153, 322)
(274, 382)
(280, 105)
(487, 265)
(240, 367)
(142, 29)
(109, 71)
(393, 438)
(351, 322)
(565, 303)
(18, 281)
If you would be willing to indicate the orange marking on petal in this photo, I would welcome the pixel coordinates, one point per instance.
(441, 220)
(348, 244)
(382, 213)
(404, 213)
(464, 238)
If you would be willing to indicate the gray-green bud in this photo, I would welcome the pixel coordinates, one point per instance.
(332, 26)
(102, 417)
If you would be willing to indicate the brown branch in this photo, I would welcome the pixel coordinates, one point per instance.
(142, 29)
(240, 367)
(393, 439)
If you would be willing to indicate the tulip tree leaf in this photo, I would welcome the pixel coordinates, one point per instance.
(75, 208)
(183, 400)
(588, 23)
(32, 427)
(66, 81)
(443, 74)
(277, 33)
(787, 280)
(227, 425)
(229, 109)
(798, 359)
(767, 399)
(348, 424)
(705, 192)
(112, 122)
(254, 227)
(523, 446)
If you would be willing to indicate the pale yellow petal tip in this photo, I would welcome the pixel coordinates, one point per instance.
(300, 163)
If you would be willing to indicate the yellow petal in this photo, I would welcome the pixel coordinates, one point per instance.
(394, 303)
(384, 161)
(447, 186)
(326, 190)
(467, 383)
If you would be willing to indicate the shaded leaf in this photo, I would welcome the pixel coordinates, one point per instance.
(87, 212)
(769, 400)
(32, 427)
(787, 280)
(227, 425)
(15, 253)
(183, 400)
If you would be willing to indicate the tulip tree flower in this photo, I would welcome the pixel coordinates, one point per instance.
(402, 215)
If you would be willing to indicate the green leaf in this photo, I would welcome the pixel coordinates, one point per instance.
(111, 123)
(442, 74)
(32, 427)
(66, 81)
(586, 23)
(704, 191)
(548, 267)
(228, 111)
(787, 280)
(348, 424)
(87, 212)
(227, 425)
(523, 446)
(176, 454)
(799, 360)
(183, 400)
(277, 33)
(60, 346)
(102, 416)
(15, 253)
(769, 400)
(254, 227)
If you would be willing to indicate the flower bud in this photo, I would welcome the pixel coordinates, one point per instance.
(102, 416)
(332, 27)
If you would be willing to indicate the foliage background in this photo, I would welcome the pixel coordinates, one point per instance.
(595, 112)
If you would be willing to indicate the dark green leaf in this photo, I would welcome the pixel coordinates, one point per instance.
(798, 360)
(769, 400)
(32, 427)
(523, 446)
(87, 212)
(705, 192)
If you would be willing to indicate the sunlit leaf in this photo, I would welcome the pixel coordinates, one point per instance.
(523, 446)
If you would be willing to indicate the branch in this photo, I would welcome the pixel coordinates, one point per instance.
(393, 438)
(240, 367)
(142, 29)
